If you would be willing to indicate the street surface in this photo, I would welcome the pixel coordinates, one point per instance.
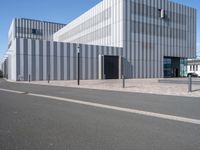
(39, 117)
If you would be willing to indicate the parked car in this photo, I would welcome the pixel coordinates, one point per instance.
(1, 74)
(192, 74)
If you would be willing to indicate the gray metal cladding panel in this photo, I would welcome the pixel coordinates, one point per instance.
(45, 63)
(48, 60)
(62, 61)
(148, 38)
(41, 60)
(68, 61)
(91, 62)
(94, 62)
(55, 60)
(17, 58)
(74, 51)
(87, 59)
(33, 60)
(25, 74)
(35, 29)
(71, 63)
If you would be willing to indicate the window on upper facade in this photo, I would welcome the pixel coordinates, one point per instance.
(162, 13)
(34, 31)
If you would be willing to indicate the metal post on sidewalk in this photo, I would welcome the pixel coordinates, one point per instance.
(189, 83)
(123, 81)
(29, 78)
(78, 71)
(48, 78)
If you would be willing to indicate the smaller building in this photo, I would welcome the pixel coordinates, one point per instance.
(33, 54)
(4, 68)
(194, 66)
(26, 40)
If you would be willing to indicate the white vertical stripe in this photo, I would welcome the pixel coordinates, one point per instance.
(52, 60)
(71, 62)
(30, 58)
(89, 57)
(83, 61)
(65, 61)
(37, 59)
(22, 58)
(95, 63)
(44, 60)
(58, 61)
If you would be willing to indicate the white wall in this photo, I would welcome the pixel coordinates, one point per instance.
(12, 61)
(194, 69)
(111, 23)
(41, 58)
(11, 32)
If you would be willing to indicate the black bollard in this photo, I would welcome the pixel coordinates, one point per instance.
(29, 78)
(189, 83)
(123, 81)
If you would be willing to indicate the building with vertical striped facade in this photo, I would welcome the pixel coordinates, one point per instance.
(26, 30)
(136, 38)
(33, 54)
(157, 36)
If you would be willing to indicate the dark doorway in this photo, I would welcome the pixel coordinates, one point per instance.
(177, 72)
(176, 66)
(111, 67)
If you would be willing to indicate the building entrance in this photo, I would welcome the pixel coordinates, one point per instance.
(171, 67)
(111, 67)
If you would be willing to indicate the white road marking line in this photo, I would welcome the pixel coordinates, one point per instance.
(129, 110)
(11, 91)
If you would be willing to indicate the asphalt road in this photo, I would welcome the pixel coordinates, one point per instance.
(36, 123)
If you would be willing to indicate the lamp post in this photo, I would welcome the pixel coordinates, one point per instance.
(78, 65)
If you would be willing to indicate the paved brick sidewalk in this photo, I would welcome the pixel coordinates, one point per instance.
(132, 85)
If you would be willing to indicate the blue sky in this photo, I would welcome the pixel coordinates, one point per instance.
(62, 11)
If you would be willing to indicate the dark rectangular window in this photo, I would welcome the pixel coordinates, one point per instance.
(34, 31)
